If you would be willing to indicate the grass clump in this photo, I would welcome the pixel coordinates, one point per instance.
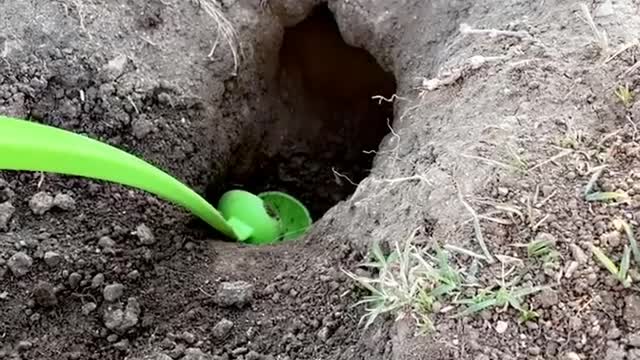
(621, 272)
(409, 281)
(625, 95)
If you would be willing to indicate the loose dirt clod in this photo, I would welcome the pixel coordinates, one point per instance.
(237, 293)
(20, 264)
(41, 202)
(145, 235)
(113, 292)
(64, 202)
(52, 258)
(44, 294)
(6, 212)
(222, 328)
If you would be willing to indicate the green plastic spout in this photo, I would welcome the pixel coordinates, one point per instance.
(28, 146)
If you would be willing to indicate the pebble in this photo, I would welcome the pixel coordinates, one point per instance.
(24, 345)
(121, 345)
(44, 294)
(114, 68)
(20, 264)
(6, 212)
(41, 202)
(145, 235)
(106, 242)
(64, 202)
(545, 237)
(252, 355)
(612, 238)
(97, 281)
(324, 333)
(188, 337)
(222, 329)
(570, 356)
(614, 333)
(195, 354)
(74, 280)
(113, 292)
(112, 338)
(121, 321)
(52, 258)
(238, 293)
(578, 254)
(88, 308)
(133, 275)
(634, 339)
(141, 127)
(632, 311)
(571, 269)
(501, 327)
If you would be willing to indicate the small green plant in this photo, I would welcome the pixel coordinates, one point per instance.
(625, 95)
(504, 296)
(615, 196)
(621, 273)
(408, 282)
(542, 249)
(501, 295)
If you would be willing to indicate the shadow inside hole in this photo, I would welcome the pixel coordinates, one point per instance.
(323, 119)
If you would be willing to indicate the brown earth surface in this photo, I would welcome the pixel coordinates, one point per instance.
(509, 106)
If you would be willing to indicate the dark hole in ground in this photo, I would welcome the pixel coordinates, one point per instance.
(324, 117)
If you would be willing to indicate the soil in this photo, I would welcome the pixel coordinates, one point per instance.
(90, 270)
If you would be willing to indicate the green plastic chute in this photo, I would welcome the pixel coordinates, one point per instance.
(29, 146)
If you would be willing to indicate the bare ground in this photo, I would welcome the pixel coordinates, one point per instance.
(517, 131)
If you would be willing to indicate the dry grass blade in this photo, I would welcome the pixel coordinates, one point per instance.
(604, 260)
(623, 225)
(600, 36)
(607, 196)
(477, 228)
(594, 178)
(225, 29)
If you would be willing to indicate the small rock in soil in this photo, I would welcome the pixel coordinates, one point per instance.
(121, 321)
(24, 345)
(41, 202)
(113, 292)
(88, 308)
(114, 68)
(188, 337)
(634, 339)
(195, 354)
(158, 356)
(545, 237)
(97, 281)
(64, 202)
(570, 356)
(501, 327)
(615, 352)
(578, 254)
(222, 329)
(614, 333)
(632, 311)
(238, 293)
(74, 280)
(44, 294)
(145, 235)
(613, 238)
(112, 338)
(52, 258)
(20, 264)
(106, 242)
(324, 334)
(121, 345)
(133, 275)
(141, 127)
(6, 212)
